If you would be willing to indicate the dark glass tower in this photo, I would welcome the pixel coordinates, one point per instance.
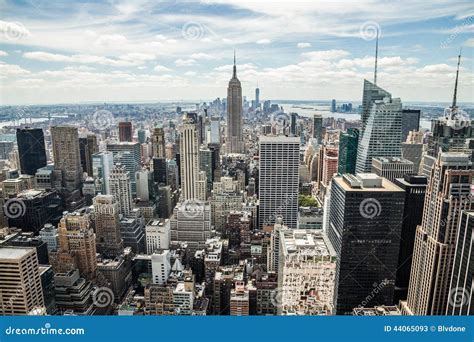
(348, 143)
(31, 149)
(415, 189)
(365, 216)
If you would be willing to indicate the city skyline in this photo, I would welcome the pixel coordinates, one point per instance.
(142, 51)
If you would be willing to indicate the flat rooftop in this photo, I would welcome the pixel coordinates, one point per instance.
(13, 253)
(357, 183)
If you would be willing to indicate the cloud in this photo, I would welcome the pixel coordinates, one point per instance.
(124, 61)
(190, 73)
(203, 56)
(264, 41)
(303, 45)
(12, 70)
(3, 53)
(161, 68)
(325, 55)
(184, 62)
(469, 42)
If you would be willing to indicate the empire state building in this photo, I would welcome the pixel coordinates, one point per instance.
(234, 142)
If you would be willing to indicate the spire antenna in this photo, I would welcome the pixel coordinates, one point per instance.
(235, 68)
(376, 56)
(456, 82)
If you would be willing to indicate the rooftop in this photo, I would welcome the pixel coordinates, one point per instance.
(13, 253)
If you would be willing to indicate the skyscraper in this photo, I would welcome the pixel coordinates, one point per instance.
(447, 194)
(365, 220)
(20, 287)
(125, 131)
(318, 128)
(189, 159)
(410, 122)
(348, 143)
(67, 156)
(128, 155)
(77, 247)
(381, 127)
(120, 188)
(257, 97)
(87, 147)
(158, 142)
(234, 140)
(415, 189)
(102, 165)
(31, 150)
(333, 106)
(278, 179)
(461, 287)
(107, 226)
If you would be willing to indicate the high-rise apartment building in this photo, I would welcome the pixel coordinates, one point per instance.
(120, 188)
(107, 226)
(67, 156)
(125, 131)
(447, 194)
(20, 285)
(158, 142)
(157, 234)
(77, 244)
(278, 179)
(307, 273)
(234, 139)
(364, 226)
(31, 149)
(87, 148)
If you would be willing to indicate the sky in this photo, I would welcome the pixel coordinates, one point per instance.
(113, 50)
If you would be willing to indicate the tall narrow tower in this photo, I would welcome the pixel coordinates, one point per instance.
(234, 140)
